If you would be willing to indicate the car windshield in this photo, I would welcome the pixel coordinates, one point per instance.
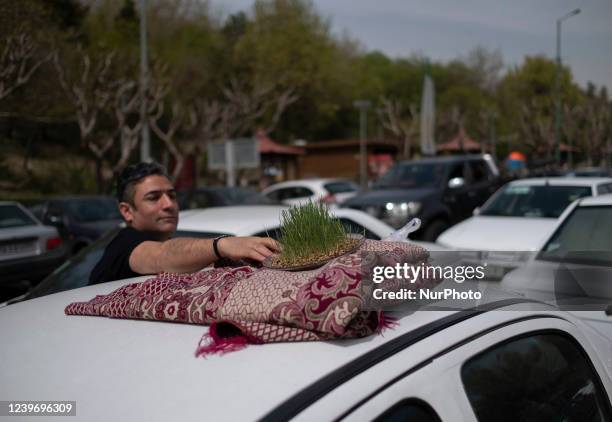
(13, 216)
(533, 201)
(74, 273)
(86, 210)
(412, 175)
(584, 237)
(341, 187)
(220, 196)
(240, 196)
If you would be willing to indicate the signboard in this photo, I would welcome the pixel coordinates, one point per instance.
(233, 154)
(243, 152)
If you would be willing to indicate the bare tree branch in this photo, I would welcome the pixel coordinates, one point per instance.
(19, 60)
(401, 121)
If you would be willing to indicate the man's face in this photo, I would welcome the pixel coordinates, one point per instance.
(155, 208)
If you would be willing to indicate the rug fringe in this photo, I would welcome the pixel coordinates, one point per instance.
(211, 343)
(386, 322)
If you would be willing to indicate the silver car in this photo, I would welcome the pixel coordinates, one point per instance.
(29, 250)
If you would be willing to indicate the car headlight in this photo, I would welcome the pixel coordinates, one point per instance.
(402, 209)
(398, 213)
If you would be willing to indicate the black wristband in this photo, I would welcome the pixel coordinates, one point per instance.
(216, 246)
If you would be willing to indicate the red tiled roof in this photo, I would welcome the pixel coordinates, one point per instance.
(455, 144)
(268, 146)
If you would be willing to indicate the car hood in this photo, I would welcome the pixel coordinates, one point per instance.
(498, 233)
(378, 196)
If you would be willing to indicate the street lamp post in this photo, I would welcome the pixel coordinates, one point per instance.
(363, 106)
(145, 142)
(558, 88)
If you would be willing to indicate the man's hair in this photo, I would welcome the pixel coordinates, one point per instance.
(132, 175)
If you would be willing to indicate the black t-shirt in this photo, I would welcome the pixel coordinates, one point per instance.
(115, 263)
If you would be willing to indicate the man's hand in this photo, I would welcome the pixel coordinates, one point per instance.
(257, 248)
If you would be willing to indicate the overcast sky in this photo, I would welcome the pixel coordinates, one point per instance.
(447, 29)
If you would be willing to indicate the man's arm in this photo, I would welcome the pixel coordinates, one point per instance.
(182, 255)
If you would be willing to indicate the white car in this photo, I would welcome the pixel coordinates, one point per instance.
(298, 192)
(29, 250)
(265, 220)
(432, 366)
(515, 221)
(575, 262)
(252, 220)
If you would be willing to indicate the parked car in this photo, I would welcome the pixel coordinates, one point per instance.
(79, 219)
(440, 191)
(575, 261)
(589, 172)
(296, 192)
(29, 250)
(515, 221)
(219, 196)
(507, 360)
(209, 223)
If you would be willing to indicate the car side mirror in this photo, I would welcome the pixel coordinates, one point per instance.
(476, 211)
(456, 182)
(55, 220)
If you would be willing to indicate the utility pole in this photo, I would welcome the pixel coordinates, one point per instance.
(492, 118)
(363, 106)
(558, 116)
(145, 142)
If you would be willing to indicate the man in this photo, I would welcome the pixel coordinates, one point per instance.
(147, 202)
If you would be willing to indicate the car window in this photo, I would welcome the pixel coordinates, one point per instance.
(538, 377)
(84, 210)
(412, 175)
(533, 201)
(292, 193)
(13, 216)
(340, 187)
(604, 188)
(584, 237)
(479, 171)
(74, 272)
(409, 410)
(456, 170)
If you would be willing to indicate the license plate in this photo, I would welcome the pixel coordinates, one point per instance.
(17, 248)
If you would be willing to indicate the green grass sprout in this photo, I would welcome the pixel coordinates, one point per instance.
(310, 233)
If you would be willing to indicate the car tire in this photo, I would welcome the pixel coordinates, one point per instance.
(434, 229)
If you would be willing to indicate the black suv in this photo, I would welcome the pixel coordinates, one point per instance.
(441, 191)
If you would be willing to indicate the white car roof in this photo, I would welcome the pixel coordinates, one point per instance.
(561, 181)
(605, 199)
(235, 220)
(146, 370)
(248, 220)
(305, 182)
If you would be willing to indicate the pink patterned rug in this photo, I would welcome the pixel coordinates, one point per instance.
(247, 305)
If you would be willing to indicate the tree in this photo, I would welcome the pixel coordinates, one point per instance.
(106, 109)
(401, 120)
(19, 60)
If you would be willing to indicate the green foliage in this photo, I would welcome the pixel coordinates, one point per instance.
(309, 231)
(283, 44)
